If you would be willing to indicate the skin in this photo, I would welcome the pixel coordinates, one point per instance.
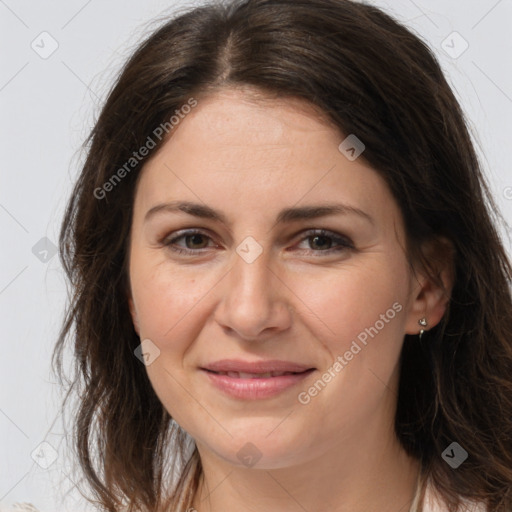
(249, 158)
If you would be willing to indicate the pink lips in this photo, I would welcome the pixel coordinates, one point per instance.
(255, 380)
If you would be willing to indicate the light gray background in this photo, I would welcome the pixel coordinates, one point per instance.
(47, 109)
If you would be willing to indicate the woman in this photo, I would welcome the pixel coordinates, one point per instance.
(289, 291)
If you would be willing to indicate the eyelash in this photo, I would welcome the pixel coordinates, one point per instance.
(343, 241)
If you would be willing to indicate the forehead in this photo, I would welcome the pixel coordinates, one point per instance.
(272, 119)
(268, 151)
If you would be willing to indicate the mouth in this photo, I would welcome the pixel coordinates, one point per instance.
(246, 375)
(273, 367)
(257, 380)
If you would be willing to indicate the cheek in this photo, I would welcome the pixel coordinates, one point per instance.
(165, 300)
(168, 304)
(363, 301)
(361, 316)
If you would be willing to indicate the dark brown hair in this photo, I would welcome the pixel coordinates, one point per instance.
(372, 77)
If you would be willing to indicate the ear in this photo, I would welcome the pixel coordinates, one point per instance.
(432, 285)
(133, 313)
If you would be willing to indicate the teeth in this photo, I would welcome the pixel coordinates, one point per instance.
(244, 375)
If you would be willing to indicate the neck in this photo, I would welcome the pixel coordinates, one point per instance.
(353, 476)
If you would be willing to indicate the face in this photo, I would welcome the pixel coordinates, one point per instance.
(255, 274)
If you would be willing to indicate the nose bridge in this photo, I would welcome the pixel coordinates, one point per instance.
(250, 284)
(250, 302)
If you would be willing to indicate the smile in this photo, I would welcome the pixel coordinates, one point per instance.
(255, 386)
(245, 375)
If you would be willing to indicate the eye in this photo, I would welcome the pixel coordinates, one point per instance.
(319, 241)
(322, 241)
(194, 242)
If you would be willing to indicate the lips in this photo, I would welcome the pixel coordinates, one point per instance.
(256, 369)
(245, 375)
(259, 380)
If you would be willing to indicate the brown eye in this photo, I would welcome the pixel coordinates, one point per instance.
(195, 241)
(322, 241)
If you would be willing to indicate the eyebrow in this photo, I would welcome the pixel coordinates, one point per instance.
(286, 215)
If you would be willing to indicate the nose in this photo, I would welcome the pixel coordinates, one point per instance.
(255, 303)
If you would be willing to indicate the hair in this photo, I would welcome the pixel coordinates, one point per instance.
(371, 77)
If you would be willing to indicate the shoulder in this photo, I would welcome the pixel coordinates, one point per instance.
(434, 503)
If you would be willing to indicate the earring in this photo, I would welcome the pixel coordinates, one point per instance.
(423, 323)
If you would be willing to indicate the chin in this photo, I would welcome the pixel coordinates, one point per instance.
(256, 448)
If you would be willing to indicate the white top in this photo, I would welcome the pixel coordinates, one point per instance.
(432, 503)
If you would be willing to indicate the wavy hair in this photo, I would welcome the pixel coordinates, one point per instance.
(373, 77)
